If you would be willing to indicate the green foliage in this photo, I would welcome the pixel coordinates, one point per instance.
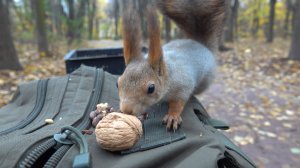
(24, 36)
(259, 10)
(253, 18)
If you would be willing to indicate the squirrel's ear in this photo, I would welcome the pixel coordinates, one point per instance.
(155, 56)
(131, 35)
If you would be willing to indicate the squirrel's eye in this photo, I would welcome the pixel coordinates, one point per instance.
(117, 85)
(151, 88)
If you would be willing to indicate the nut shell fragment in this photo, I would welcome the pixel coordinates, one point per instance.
(49, 121)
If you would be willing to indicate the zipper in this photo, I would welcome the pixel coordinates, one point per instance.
(85, 123)
(40, 100)
(94, 99)
(32, 157)
(64, 144)
(56, 157)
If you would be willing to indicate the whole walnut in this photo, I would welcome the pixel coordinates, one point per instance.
(118, 131)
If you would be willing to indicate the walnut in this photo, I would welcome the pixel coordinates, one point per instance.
(118, 131)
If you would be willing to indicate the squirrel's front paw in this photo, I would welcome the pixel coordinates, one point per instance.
(173, 120)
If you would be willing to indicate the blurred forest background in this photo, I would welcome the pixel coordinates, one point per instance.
(48, 22)
(257, 90)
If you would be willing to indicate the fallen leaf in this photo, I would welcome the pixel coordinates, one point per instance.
(295, 151)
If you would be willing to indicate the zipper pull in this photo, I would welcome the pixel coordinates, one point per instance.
(70, 135)
(82, 160)
(63, 138)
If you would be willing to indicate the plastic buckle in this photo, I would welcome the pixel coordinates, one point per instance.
(62, 138)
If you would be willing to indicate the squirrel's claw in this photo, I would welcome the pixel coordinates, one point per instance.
(172, 121)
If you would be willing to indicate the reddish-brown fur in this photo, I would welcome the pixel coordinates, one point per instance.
(155, 50)
(203, 25)
(201, 21)
(132, 35)
(173, 118)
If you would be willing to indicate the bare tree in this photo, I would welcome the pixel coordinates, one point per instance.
(40, 27)
(142, 5)
(8, 54)
(81, 14)
(97, 27)
(286, 26)
(231, 23)
(116, 9)
(295, 46)
(76, 12)
(270, 30)
(256, 19)
(227, 21)
(91, 17)
(56, 12)
(294, 10)
(70, 21)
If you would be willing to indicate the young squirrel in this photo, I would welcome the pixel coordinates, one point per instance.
(180, 68)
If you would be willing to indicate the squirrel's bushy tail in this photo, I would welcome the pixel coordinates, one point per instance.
(201, 20)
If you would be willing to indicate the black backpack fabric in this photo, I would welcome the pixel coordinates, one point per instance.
(27, 140)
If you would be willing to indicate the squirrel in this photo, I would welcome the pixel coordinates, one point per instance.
(177, 70)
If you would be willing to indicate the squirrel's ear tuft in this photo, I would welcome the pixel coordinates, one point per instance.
(131, 35)
(155, 56)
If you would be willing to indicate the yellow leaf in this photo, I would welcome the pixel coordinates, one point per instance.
(42, 54)
(248, 50)
(1, 82)
(282, 88)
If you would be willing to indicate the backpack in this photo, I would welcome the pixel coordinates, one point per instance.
(42, 124)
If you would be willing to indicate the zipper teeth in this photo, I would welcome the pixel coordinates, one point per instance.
(93, 99)
(34, 155)
(40, 100)
(57, 156)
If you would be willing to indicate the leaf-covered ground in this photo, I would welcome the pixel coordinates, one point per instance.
(257, 92)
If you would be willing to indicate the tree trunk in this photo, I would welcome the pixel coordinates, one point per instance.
(75, 20)
(287, 19)
(221, 39)
(8, 54)
(286, 26)
(270, 30)
(91, 16)
(236, 15)
(294, 53)
(294, 10)
(81, 14)
(97, 27)
(142, 5)
(55, 15)
(40, 27)
(70, 21)
(116, 17)
(167, 29)
(231, 24)
(256, 18)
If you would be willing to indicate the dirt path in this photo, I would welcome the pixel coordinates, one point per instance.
(260, 100)
(267, 135)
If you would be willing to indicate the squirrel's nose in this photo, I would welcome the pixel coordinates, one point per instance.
(126, 108)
